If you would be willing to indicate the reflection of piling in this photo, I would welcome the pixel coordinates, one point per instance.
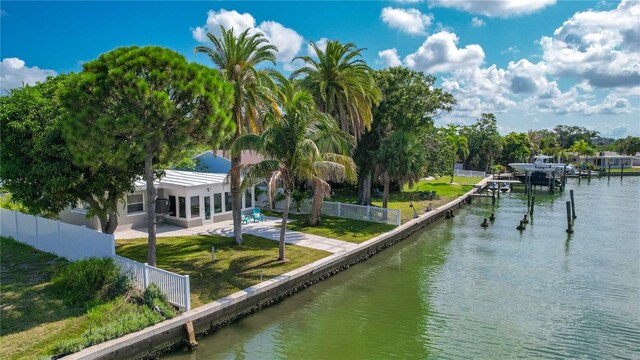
(621, 171)
(573, 204)
(533, 203)
(609, 173)
(569, 220)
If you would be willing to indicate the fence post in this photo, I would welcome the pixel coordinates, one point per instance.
(338, 209)
(399, 217)
(369, 212)
(17, 232)
(113, 244)
(187, 293)
(145, 276)
(37, 244)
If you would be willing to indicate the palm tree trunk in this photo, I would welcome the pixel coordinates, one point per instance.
(236, 201)
(316, 205)
(151, 207)
(283, 226)
(385, 195)
(364, 189)
(453, 171)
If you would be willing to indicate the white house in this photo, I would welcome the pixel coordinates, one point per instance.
(605, 158)
(192, 199)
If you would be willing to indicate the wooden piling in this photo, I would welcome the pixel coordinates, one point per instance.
(621, 171)
(609, 173)
(573, 204)
(569, 220)
(191, 335)
(533, 203)
(553, 181)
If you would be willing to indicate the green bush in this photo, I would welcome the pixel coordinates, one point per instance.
(90, 280)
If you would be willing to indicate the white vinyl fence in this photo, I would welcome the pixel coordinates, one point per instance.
(65, 240)
(350, 211)
(175, 287)
(469, 173)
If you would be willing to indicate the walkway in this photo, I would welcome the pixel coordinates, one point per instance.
(266, 229)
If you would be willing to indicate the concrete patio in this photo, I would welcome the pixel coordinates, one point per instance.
(266, 229)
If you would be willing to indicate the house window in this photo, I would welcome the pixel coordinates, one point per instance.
(135, 203)
(172, 206)
(227, 201)
(195, 206)
(182, 207)
(247, 199)
(217, 203)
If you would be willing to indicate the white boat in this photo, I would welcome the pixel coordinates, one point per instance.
(542, 163)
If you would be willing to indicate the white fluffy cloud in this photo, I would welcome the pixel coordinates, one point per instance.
(601, 47)
(440, 53)
(14, 73)
(495, 8)
(287, 40)
(390, 57)
(411, 21)
(477, 22)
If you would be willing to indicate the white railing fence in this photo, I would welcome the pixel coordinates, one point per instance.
(469, 173)
(175, 287)
(351, 211)
(65, 240)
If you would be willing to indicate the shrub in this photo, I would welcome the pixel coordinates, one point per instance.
(90, 280)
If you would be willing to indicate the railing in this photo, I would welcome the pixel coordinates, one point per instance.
(65, 240)
(175, 287)
(351, 211)
(469, 173)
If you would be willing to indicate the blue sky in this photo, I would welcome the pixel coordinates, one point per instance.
(534, 63)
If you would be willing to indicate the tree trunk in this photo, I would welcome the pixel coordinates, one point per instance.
(364, 189)
(385, 195)
(283, 226)
(236, 201)
(151, 207)
(108, 222)
(453, 171)
(316, 205)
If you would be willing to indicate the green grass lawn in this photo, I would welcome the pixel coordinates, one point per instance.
(401, 200)
(355, 231)
(236, 267)
(626, 169)
(34, 318)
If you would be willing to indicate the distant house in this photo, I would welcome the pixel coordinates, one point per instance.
(185, 198)
(605, 158)
(218, 162)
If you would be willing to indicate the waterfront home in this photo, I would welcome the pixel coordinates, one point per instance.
(185, 198)
(605, 158)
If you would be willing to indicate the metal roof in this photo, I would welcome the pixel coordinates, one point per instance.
(184, 179)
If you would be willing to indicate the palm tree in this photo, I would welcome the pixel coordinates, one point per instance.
(401, 158)
(341, 84)
(237, 59)
(458, 145)
(300, 144)
(581, 147)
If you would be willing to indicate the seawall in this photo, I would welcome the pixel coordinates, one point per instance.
(155, 340)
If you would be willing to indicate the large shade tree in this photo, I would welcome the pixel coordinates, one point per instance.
(516, 148)
(458, 146)
(144, 106)
(39, 169)
(410, 102)
(343, 86)
(300, 145)
(485, 143)
(238, 57)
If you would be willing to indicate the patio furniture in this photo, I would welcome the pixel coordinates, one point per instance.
(245, 219)
(257, 215)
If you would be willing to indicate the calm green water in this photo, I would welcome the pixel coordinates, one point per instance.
(458, 291)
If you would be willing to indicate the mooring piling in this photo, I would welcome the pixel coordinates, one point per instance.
(533, 202)
(621, 171)
(573, 204)
(569, 220)
(609, 173)
(553, 181)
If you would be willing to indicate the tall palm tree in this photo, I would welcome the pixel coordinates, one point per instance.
(458, 145)
(342, 85)
(582, 147)
(301, 144)
(237, 58)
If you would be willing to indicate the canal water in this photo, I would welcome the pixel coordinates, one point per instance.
(460, 291)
